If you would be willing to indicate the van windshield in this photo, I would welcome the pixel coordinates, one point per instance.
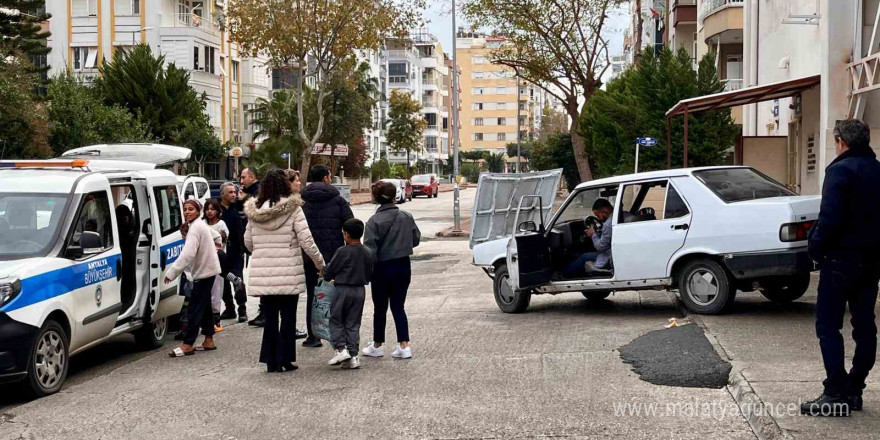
(28, 224)
(740, 184)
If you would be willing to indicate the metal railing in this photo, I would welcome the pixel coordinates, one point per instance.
(196, 21)
(732, 84)
(685, 3)
(710, 7)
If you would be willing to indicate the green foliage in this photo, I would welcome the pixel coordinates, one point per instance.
(204, 143)
(380, 169)
(268, 155)
(399, 171)
(495, 163)
(405, 123)
(470, 171)
(159, 95)
(554, 153)
(80, 117)
(23, 120)
(354, 165)
(473, 155)
(21, 31)
(276, 119)
(525, 149)
(635, 105)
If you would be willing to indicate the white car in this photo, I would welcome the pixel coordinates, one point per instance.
(400, 185)
(194, 186)
(706, 232)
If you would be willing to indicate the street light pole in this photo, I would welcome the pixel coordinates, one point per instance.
(518, 131)
(456, 205)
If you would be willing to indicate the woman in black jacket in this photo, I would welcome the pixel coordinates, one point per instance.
(391, 234)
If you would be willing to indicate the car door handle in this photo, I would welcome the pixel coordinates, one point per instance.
(119, 269)
(683, 226)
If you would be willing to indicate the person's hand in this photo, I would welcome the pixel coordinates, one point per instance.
(168, 280)
(589, 232)
(321, 273)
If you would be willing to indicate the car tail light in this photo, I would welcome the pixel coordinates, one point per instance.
(795, 231)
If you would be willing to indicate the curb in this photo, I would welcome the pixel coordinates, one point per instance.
(763, 425)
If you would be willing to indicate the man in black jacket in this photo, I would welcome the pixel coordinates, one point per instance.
(234, 252)
(325, 211)
(845, 242)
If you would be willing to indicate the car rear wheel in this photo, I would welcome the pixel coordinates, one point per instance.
(508, 299)
(784, 290)
(152, 336)
(705, 287)
(49, 361)
(596, 295)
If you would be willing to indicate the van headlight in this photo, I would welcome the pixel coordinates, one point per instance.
(9, 289)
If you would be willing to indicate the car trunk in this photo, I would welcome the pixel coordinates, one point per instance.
(498, 197)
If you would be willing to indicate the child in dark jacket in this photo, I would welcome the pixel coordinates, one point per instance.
(350, 270)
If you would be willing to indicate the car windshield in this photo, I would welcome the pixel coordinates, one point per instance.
(740, 184)
(28, 224)
(421, 179)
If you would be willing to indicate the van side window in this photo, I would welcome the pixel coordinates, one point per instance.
(93, 219)
(189, 192)
(168, 206)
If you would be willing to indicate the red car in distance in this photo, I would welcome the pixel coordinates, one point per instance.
(425, 185)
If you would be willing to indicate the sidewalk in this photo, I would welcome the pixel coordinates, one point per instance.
(775, 350)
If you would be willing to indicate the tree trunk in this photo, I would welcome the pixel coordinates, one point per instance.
(578, 144)
(637, 38)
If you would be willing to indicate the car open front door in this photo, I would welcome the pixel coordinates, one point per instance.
(499, 195)
(166, 216)
(528, 251)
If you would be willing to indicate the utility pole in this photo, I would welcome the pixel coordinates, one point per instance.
(518, 130)
(456, 205)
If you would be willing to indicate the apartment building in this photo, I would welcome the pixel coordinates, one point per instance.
(494, 105)
(681, 27)
(189, 33)
(653, 28)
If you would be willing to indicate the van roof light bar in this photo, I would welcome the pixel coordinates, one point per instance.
(76, 163)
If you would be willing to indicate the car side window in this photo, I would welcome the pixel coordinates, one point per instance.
(168, 207)
(203, 189)
(675, 206)
(188, 192)
(643, 202)
(93, 229)
(581, 204)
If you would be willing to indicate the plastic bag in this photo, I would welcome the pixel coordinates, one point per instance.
(324, 293)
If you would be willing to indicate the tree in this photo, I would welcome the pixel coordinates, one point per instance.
(23, 121)
(159, 95)
(22, 32)
(495, 163)
(525, 149)
(637, 38)
(380, 169)
(554, 153)
(201, 140)
(355, 162)
(405, 124)
(78, 116)
(557, 45)
(276, 119)
(552, 122)
(473, 155)
(315, 38)
(350, 107)
(635, 105)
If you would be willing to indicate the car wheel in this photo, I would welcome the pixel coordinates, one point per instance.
(509, 300)
(48, 361)
(705, 287)
(152, 336)
(596, 295)
(784, 290)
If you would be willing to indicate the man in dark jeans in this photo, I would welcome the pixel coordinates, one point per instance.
(845, 242)
(325, 211)
(234, 253)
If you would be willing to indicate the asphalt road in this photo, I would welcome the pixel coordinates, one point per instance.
(554, 371)
(431, 215)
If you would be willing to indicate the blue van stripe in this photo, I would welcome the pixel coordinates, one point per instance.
(60, 281)
(172, 251)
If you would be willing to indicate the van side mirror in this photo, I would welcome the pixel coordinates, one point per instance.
(528, 226)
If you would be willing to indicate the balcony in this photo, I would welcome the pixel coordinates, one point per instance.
(717, 16)
(684, 12)
(193, 20)
(732, 84)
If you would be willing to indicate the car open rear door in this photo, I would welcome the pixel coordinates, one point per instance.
(499, 195)
(166, 216)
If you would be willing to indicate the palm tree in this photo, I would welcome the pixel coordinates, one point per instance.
(276, 120)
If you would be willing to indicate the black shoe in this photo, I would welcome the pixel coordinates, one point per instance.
(257, 322)
(301, 334)
(827, 406)
(289, 367)
(273, 368)
(312, 343)
(242, 313)
(855, 403)
(228, 314)
(242, 318)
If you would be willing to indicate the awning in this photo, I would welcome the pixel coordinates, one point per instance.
(750, 95)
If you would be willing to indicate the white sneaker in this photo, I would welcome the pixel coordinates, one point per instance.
(352, 364)
(402, 353)
(341, 356)
(372, 351)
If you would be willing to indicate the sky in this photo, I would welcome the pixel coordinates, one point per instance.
(440, 24)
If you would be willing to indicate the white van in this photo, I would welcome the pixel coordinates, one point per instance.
(64, 260)
(194, 186)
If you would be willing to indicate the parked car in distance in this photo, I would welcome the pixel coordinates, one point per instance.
(425, 185)
(707, 232)
(194, 186)
(400, 185)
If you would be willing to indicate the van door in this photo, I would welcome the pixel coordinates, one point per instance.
(166, 217)
(92, 246)
(651, 224)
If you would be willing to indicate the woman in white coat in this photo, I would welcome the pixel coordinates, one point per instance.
(277, 234)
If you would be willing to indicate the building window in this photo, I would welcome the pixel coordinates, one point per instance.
(195, 57)
(128, 7)
(478, 106)
(283, 78)
(431, 119)
(478, 60)
(477, 75)
(478, 136)
(445, 124)
(477, 91)
(502, 121)
(502, 136)
(431, 144)
(84, 8)
(210, 53)
(478, 121)
(501, 106)
(501, 90)
(397, 73)
(522, 105)
(85, 58)
(236, 125)
(235, 71)
(522, 121)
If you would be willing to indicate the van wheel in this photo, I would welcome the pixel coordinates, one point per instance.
(705, 287)
(596, 295)
(152, 336)
(509, 300)
(49, 361)
(786, 289)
